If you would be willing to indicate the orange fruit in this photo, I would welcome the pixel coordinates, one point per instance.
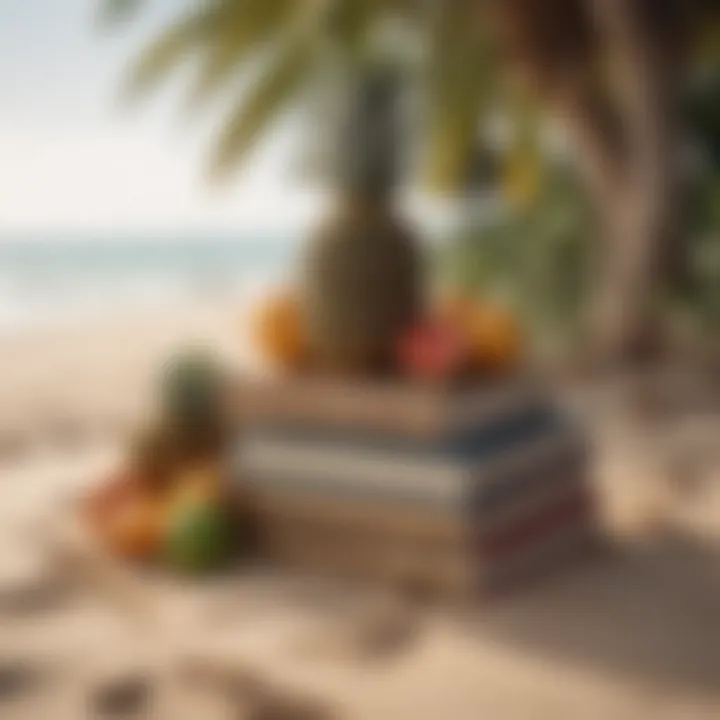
(279, 331)
(135, 529)
(458, 310)
(197, 485)
(491, 331)
(495, 338)
(103, 500)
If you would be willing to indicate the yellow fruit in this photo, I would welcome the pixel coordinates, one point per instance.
(197, 485)
(279, 331)
(458, 311)
(495, 339)
(492, 332)
(102, 501)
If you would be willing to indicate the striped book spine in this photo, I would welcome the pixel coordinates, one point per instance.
(432, 484)
(467, 492)
(468, 564)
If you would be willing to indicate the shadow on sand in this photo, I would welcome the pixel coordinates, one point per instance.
(646, 612)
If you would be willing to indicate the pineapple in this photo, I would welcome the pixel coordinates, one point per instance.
(155, 455)
(361, 279)
(192, 395)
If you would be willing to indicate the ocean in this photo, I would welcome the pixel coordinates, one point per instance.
(46, 280)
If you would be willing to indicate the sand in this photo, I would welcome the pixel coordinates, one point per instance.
(99, 374)
(632, 633)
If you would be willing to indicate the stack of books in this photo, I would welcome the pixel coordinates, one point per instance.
(465, 491)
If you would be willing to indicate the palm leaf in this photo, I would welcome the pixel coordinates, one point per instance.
(350, 23)
(252, 23)
(458, 88)
(181, 39)
(523, 161)
(263, 102)
(293, 65)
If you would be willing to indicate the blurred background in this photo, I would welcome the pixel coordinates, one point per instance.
(548, 164)
(163, 162)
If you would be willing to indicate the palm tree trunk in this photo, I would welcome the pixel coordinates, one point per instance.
(624, 315)
(627, 147)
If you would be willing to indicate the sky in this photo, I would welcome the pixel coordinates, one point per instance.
(73, 159)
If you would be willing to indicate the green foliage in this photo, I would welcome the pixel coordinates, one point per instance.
(460, 83)
(540, 256)
(701, 108)
(282, 43)
(541, 259)
(537, 258)
(286, 44)
(233, 40)
(698, 291)
(281, 82)
(173, 46)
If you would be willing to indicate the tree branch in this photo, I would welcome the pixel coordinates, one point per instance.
(636, 41)
(554, 49)
(595, 132)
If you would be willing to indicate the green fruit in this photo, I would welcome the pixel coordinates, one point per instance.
(199, 537)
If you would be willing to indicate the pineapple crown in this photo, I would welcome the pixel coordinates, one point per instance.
(368, 156)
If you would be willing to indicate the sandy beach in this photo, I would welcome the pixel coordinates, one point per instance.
(632, 633)
(432, 200)
(98, 373)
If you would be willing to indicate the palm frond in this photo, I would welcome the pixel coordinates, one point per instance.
(253, 23)
(179, 41)
(522, 158)
(350, 23)
(458, 87)
(261, 104)
(309, 25)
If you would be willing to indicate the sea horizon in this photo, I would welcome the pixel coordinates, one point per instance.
(67, 276)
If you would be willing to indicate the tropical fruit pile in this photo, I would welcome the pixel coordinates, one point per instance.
(359, 309)
(462, 339)
(168, 501)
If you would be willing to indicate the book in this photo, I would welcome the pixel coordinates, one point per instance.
(386, 408)
(466, 490)
(432, 483)
(466, 562)
(496, 531)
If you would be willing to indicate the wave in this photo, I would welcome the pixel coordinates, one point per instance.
(60, 283)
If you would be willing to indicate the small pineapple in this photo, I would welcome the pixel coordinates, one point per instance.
(155, 455)
(192, 399)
